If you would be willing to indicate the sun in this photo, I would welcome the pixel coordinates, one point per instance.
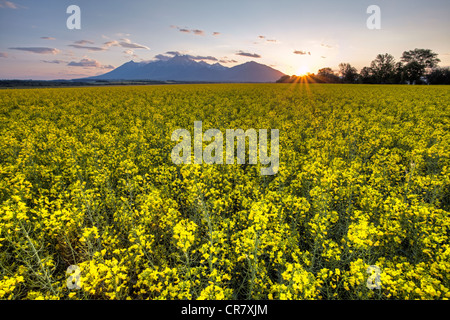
(303, 70)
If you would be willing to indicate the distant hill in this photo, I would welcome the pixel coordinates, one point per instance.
(183, 68)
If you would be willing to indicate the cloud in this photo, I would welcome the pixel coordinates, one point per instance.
(54, 61)
(111, 43)
(162, 57)
(133, 45)
(174, 53)
(40, 50)
(227, 61)
(8, 5)
(126, 43)
(84, 42)
(323, 57)
(89, 63)
(194, 31)
(198, 32)
(170, 54)
(48, 38)
(3, 55)
(89, 48)
(246, 54)
(263, 39)
(130, 52)
(327, 46)
(301, 52)
(216, 33)
(202, 58)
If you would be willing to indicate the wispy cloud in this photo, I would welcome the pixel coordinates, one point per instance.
(301, 52)
(126, 43)
(198, 32)
(3, 55)
(9, 5)
(326, 46)
(263, 39)
(178, 53)
(216, 33)
(111, 43)
(84, 42)
(247, 54)
(54, 61)
(122, 34)
(130, 52)
(89, 63)
(210, 58)
(89, 48)
(40, 50)
(48, 38)
(227, 61)
(174, 53)
(162, 57)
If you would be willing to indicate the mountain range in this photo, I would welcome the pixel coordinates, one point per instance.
(183, 68)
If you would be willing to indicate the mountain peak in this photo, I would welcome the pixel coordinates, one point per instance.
(252, 63)
(181, 57)
(185, 68)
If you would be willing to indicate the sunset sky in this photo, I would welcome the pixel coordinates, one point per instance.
(292, 36)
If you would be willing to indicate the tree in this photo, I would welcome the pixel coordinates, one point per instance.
(327, 75)
(366, 75)
(439, 76)
(383, 68)
(349, 73)
(284, 79)
(418, 62)
(399, 74)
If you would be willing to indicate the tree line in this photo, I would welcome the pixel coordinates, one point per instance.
(418, 66)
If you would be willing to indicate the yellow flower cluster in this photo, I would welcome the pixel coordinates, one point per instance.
(183, 233)
(359, 208)
(8, 286)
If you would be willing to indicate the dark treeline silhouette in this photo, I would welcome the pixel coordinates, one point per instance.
(418, 66)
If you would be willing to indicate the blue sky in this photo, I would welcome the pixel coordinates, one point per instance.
(36, 44)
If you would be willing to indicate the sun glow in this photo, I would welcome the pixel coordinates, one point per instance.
(303, 70)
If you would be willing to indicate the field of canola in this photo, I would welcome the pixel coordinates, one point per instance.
(86, 179)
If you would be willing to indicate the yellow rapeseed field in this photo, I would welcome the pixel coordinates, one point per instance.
(86, 180)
